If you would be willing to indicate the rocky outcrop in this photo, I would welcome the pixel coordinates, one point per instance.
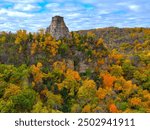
(83, 67)
(70, 64)
(58, 28)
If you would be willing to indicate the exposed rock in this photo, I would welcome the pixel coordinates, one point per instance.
(70, 64)
(83, 67)
(58, 28)
(79, 54)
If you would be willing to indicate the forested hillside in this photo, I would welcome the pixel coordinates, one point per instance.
(100, 70)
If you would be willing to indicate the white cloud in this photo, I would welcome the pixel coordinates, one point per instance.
(131, 6)
(90, 1)
(25, 7)
(55, 7)
(73, 15)
(134, 7)
(3, 18)
(18, 14)
(78, 14)
(122, 3)
(23, 1)
(131, 18)
(3, 11)
(52, 5)
(13, 13)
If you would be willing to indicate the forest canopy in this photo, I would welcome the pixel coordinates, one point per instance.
(103, 70)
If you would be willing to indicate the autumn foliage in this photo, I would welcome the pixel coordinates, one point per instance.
(108, 80)
(104, 70)
(113, 108)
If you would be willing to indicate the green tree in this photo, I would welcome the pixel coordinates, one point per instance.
(24, 101)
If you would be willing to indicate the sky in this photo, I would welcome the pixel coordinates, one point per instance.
(33, 15)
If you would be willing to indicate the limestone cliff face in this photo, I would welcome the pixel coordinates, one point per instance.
(58, 28)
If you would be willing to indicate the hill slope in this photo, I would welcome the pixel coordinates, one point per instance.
(102, 70)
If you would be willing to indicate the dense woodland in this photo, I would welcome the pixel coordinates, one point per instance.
(102, 70)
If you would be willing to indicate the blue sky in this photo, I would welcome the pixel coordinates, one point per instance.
(78, 14)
